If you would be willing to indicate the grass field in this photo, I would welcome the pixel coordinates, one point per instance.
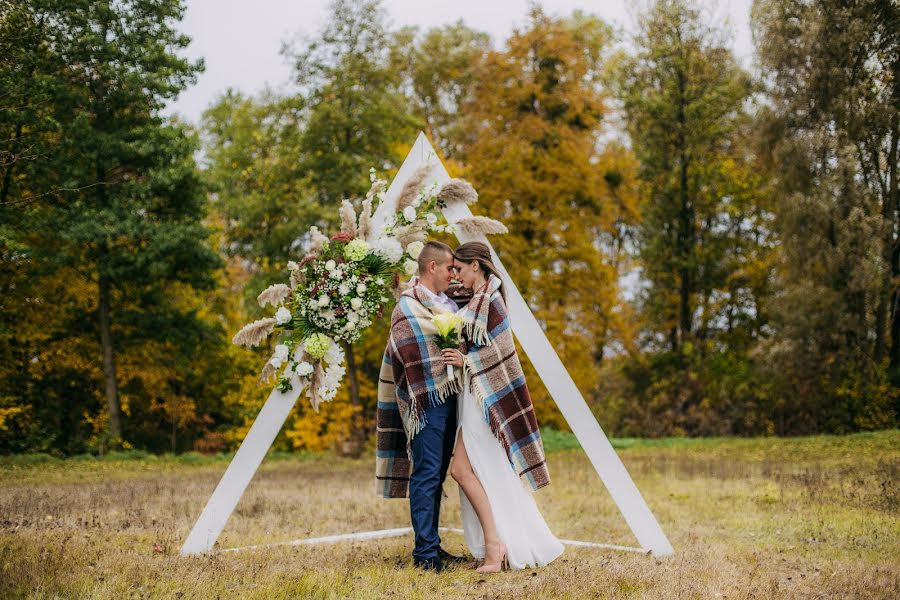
(815, 517)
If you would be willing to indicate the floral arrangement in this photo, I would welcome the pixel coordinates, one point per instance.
(448, 326)
(345, 281)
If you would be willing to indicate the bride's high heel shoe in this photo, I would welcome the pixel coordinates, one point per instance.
(501, 565)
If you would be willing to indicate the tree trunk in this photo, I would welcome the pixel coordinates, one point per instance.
(355, 444)
(686, 221)
(887, 308)
(176, 388)
(109, 362)
(7, 176)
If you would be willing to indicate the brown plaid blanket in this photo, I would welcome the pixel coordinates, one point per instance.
(413, 376)
(499, 383)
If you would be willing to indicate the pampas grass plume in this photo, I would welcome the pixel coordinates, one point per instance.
(457, 190)
(476, 225)
(254, 333)
(274, 295)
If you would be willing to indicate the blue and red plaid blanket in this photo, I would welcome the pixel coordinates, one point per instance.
(498, 382)
(413, 376)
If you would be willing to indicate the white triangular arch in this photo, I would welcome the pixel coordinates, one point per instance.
(535, 344)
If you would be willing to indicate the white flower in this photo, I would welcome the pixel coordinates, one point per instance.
(410, 267)
(344, 289)
(379, 281)
(328, 315)
(281, 355)
(333, 375)
(352, 317)
(304, 369)
(282, 316)
(335, 355)
(388, 248)
(409, 213)
(356, 303)
(452, 228)
(292, 265)
(431, 218)
(414, 249)
(330, 265)
(324, 300)
(361, 288)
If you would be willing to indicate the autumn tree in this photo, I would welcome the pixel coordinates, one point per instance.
(440, 69)
(536, 115)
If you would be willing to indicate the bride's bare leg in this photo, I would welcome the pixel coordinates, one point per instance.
(461, 471)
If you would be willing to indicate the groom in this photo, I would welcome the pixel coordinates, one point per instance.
(416, 416)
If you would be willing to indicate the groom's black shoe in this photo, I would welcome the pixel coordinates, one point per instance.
(429, 564)
(449, 559)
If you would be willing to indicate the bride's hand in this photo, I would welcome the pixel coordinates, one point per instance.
(452, 356)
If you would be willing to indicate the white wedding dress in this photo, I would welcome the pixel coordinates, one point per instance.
(529, 542)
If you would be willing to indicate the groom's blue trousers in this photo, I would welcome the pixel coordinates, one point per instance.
(432, 448)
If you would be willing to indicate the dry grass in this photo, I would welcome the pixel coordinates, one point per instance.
(809, 518)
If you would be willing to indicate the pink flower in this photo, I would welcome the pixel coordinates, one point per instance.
(307, 259)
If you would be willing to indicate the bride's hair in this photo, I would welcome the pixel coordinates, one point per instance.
(479, 251)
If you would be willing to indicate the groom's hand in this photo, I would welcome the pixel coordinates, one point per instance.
(452, 356)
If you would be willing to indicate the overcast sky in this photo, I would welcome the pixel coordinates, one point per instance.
(240, 39)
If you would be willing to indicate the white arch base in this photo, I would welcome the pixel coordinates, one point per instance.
(402, 531)
(527, 330)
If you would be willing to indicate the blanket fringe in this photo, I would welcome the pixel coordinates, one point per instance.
(416, 419)
(477, 332)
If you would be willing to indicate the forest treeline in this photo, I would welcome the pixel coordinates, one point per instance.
(712, 250)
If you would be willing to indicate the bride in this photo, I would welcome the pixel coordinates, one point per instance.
(498, 444)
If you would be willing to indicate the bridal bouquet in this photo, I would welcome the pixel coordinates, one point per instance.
(344, 281)
(448, 325)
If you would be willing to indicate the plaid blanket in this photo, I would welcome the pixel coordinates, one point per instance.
(498, 382)
(413, 376)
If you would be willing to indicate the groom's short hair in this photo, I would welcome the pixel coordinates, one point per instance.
(434, 251)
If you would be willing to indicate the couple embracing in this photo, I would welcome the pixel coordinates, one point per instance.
(481, 416)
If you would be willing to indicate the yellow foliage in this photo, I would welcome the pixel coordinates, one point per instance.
(326, 429)
(7, 413)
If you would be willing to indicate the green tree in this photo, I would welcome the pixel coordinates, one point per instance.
(835, 71)
(117, 198)
(355, 117)
(440, 71)
(683, 96)
(832, 132)
(705, 243)
(259, 185)
(355, 114)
